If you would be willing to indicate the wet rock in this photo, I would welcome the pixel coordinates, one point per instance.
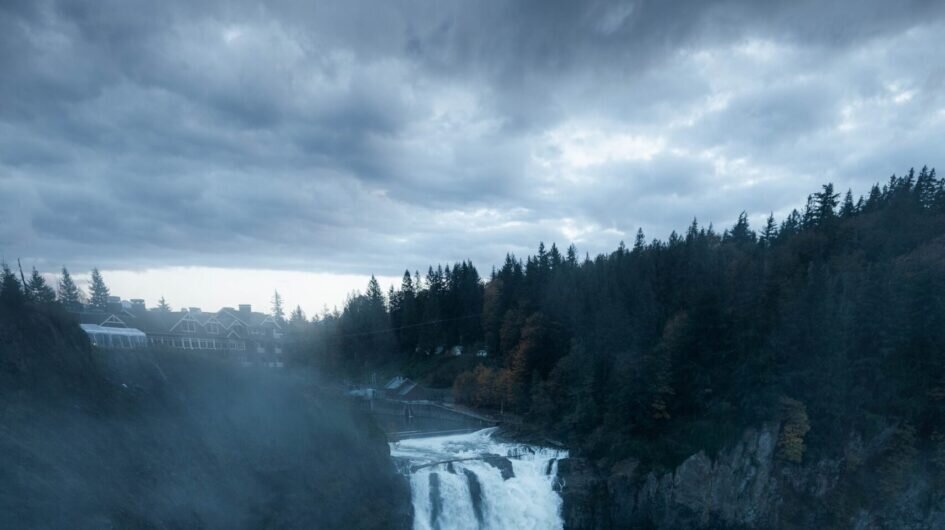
(504, 465)
(475, 493)
(744, 486)
(436, 500)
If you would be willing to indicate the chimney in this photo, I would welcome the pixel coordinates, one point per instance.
(246, 309)
(195, 310)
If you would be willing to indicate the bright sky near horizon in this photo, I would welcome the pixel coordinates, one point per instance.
(212, 288)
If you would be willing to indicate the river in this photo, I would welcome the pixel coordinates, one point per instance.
(472, 481)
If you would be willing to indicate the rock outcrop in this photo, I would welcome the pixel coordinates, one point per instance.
(745, 486)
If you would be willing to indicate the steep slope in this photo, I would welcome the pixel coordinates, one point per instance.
(748, 486)
(164, 440)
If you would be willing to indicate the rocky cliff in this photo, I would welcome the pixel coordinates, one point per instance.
(747, 486)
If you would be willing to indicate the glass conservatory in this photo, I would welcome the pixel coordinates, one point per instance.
(122, 338)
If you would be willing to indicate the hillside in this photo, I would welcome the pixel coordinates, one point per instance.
(827, 327)
(164, 440)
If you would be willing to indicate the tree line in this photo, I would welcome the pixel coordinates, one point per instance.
(18, 290)
(831, 321)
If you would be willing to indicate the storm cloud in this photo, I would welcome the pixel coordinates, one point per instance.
(345, 136)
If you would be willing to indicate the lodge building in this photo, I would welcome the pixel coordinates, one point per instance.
(242, 333)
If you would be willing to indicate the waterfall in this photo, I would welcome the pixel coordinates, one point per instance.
(471, 481)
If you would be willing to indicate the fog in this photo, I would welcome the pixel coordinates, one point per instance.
(164, 440)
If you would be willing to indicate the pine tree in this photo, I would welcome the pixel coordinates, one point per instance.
(277, 311)
(554, 257)
(571, 258)
(770, 232)
(99, 290)
(69, 294)
(297, 317)
(11, 292)
(926, 187)
(374, 292)
(693, 232)
(790, 225)
(848, 208)
(741, 233)
(163, 306)
(639, 242)
(824, 203)
(40, 291)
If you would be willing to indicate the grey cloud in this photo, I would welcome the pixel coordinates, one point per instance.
(368, 136)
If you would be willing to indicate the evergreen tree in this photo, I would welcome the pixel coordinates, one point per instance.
(11, 293)
(741, 232)
(374, 293)
(926, 187)
(297, 318)
(69, 294)
(770, 232)
(571, 258)
(790, 226)
(824, 203)
(40, 291)
(277, 311)
(848, 208)
(99, 291)
(163, 306)
(639, 242)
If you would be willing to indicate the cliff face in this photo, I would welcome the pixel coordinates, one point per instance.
(745, 486)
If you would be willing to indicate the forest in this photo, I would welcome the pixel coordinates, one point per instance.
(830, 321)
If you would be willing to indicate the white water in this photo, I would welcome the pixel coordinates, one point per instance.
(526, 501)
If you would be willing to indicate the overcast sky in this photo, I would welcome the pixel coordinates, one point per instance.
(312, 143)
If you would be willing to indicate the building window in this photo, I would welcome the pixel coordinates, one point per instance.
(188, 326)
(213, 328)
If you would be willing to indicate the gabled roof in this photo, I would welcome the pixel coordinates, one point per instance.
(114, 321)
(158, 321)
(228, 317)
(95, 317)
(185, 317)
(201, 318)
(261, 319)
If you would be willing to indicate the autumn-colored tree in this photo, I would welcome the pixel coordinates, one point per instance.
(794, 426)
